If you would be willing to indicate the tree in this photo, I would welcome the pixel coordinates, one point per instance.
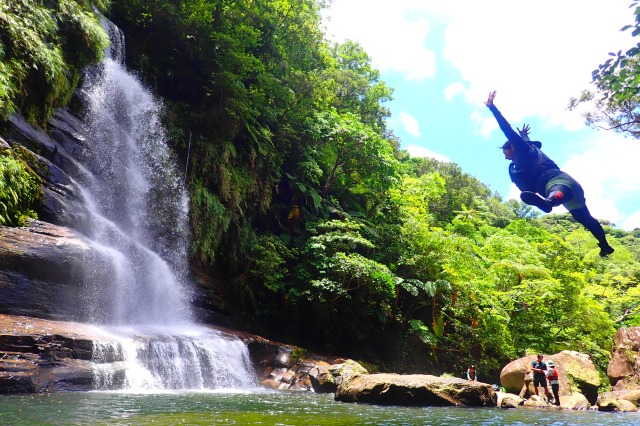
(615, 103)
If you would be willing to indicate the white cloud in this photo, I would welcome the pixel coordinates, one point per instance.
(409, 123)
(390, 32)
(453, 89)
(608, 172)
(632, 222)
(419, 151)
(514, 193)
(536, 54)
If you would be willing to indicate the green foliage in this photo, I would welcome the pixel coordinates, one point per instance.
(423, 332)
(345, 273)
(269, 256)
(43, 47)
(211, 224)
(303, 202)
(20, 191)
(614, 104)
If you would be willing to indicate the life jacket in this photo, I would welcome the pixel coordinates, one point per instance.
(532, 169)
(552, 375)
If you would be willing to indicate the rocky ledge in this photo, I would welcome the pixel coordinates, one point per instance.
(45, 356)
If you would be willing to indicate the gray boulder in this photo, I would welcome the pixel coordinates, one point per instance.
(327, 378)
(415, 390)
(575, 401)
(508, 400)
(631, 395)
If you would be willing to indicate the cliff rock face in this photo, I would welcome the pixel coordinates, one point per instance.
(51, 288)
(40, 270)
(624, 367)
(56, 156)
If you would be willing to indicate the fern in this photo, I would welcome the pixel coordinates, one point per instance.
(20, 191)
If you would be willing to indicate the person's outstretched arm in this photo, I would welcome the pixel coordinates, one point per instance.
(511, 134)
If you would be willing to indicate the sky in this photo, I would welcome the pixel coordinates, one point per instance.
(442, 58)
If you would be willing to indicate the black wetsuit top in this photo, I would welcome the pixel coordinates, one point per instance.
(530, 168)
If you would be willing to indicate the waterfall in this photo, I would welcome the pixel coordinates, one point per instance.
(138, 220)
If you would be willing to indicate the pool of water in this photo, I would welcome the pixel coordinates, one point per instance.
(265, 408)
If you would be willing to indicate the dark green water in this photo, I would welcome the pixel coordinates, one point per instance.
(264, 408)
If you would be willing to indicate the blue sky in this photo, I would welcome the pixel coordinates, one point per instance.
(443, 58)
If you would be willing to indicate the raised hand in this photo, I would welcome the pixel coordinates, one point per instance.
(489, 101)
(524, 132)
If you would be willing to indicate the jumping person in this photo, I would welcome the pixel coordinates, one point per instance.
(534, 173)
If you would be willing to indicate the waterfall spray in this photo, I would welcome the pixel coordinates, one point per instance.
(138, 220)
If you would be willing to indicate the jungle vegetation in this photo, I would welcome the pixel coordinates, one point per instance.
(318, 228)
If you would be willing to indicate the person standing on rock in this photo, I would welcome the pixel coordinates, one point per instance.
(539, 369)
(471, 374)
(552, 376)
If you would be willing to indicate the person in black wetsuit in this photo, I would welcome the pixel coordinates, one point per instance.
(539, 369)
(534, 173)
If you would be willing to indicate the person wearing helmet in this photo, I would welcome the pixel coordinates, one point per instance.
(552, 376)
(534, 173)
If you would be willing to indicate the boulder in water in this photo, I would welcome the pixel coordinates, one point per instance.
(415, 390)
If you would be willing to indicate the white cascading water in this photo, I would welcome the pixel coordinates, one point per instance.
(139, 292)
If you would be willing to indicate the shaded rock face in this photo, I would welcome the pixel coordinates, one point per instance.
(56, 157)
(41, 270)
(47, 282)
(414, 390)
(624, 367)
(41, 264)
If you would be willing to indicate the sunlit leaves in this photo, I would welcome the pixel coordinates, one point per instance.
(42, 50)
(20, 191)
